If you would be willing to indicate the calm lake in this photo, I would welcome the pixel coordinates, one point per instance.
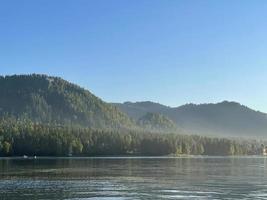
(134, 178)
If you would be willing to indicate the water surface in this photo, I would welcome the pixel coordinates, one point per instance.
(133, 178)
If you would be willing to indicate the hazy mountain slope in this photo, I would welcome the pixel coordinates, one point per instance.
(156, 122)
(139, 109)
(53, 100)
(224, 119)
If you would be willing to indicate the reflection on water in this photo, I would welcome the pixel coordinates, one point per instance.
(134, 178)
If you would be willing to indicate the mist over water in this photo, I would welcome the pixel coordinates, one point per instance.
(134, 178)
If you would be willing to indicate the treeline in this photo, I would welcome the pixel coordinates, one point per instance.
(28, 138)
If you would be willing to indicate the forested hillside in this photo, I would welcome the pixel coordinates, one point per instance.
(48, 116)
(139, 109)
(52, 100)
(157, 123)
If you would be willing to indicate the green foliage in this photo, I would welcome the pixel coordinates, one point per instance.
(19, 138)
(52, 100)
(6, 147)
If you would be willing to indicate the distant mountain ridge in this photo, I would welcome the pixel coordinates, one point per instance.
(52, 100)
(219, 119)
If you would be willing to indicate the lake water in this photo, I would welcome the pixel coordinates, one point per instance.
(134, 178)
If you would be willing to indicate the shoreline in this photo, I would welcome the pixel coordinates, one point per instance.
(127, 157)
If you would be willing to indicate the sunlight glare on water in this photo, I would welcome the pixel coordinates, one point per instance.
(134, 178)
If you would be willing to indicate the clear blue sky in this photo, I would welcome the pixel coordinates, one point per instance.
(167, 51)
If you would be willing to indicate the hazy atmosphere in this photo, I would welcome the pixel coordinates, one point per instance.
(133, 99)
(173, 53)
